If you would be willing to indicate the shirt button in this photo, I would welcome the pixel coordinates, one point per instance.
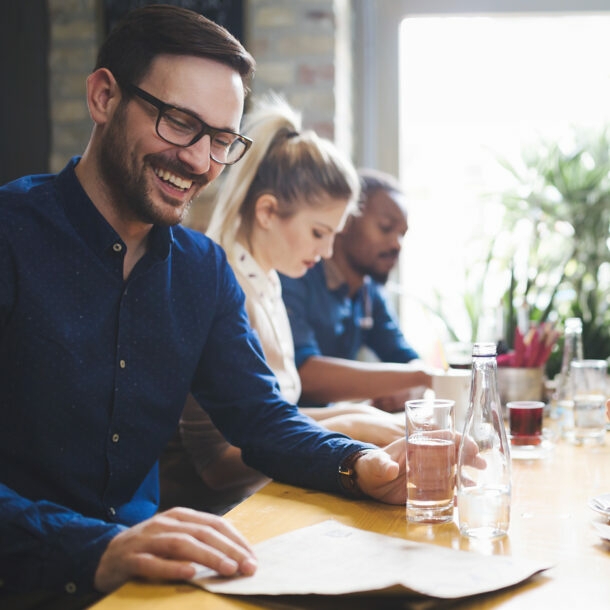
(111, 511)
(117, 247)
(122, 364)
(70, 587)
(115, 438)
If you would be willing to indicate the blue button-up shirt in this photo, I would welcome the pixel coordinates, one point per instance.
(326, 321)
(95, 372)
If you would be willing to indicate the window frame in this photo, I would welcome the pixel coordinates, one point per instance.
(376, 62)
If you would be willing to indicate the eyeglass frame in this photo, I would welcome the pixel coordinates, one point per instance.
(206, 130)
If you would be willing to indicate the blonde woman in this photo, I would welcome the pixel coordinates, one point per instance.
(278, 210)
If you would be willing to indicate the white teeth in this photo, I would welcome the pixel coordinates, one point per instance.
(181, 183)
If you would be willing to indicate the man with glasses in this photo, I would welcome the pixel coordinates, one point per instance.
(111, 313)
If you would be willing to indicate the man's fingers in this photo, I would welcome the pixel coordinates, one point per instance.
(214, 552)
(385, 469)
(150, 567)
(165, 546)
(218, 524)
(377, 471)
(206, 539)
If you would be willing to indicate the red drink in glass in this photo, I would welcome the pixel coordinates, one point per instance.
(525, 420)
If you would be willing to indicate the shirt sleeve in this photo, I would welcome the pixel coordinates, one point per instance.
(385, 337)
(45, 546)
(236, 387)
(295, 297)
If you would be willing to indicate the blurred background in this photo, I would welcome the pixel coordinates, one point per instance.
(493, 114)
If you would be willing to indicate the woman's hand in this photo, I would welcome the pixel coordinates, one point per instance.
(379, 429)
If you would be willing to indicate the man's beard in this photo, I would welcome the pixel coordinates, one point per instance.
(127, 182)
(380, 277)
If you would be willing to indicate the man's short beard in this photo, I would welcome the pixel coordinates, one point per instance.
(124, 179)
(379, 278)
(363, 270)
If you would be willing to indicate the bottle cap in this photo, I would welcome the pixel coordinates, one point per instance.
(484, 349)
(573, 324)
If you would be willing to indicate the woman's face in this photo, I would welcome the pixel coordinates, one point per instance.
(296, 244)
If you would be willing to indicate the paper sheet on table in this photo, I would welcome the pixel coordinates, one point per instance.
(330, 558)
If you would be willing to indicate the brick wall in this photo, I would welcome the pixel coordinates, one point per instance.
(294, 47)
(301, 48)
(73, 41)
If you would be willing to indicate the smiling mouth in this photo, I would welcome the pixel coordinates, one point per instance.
(180, 183)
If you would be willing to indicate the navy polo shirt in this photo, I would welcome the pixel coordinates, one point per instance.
(95, 372)
(326, 321)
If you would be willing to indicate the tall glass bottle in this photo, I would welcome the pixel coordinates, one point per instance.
(562, 409)
(483, 468)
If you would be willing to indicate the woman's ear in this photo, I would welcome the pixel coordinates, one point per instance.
(265, 209)
(103, 95)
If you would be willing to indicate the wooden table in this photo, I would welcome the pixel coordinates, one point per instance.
(550, 521)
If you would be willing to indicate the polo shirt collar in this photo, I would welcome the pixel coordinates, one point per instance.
(92, 226)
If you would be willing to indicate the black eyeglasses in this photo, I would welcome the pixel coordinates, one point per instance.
(181, 127)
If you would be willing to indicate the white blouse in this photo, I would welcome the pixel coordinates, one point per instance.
(269, 318)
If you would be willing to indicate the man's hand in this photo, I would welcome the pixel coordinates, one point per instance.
(382, 474)
(163, 547)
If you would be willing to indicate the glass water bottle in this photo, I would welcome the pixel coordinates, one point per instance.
(483, 468)
(562, 408)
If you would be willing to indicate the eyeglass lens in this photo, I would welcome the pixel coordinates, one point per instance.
(182, 129)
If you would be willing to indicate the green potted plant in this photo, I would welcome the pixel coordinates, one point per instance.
(562, 193)
(552, 251)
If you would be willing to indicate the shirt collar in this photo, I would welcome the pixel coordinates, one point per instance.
(92, 226)
(266, 285)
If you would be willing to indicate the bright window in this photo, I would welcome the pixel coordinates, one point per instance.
(473, 89)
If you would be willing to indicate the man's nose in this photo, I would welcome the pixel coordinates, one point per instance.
(197, 156)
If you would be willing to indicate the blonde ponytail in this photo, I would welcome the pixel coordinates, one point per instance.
(297, 167)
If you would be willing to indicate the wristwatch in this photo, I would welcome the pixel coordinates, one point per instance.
(348, 478)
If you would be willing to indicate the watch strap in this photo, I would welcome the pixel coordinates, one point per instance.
(348, 478)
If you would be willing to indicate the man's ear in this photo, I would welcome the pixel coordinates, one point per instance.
(264, 210)
(103, 95)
